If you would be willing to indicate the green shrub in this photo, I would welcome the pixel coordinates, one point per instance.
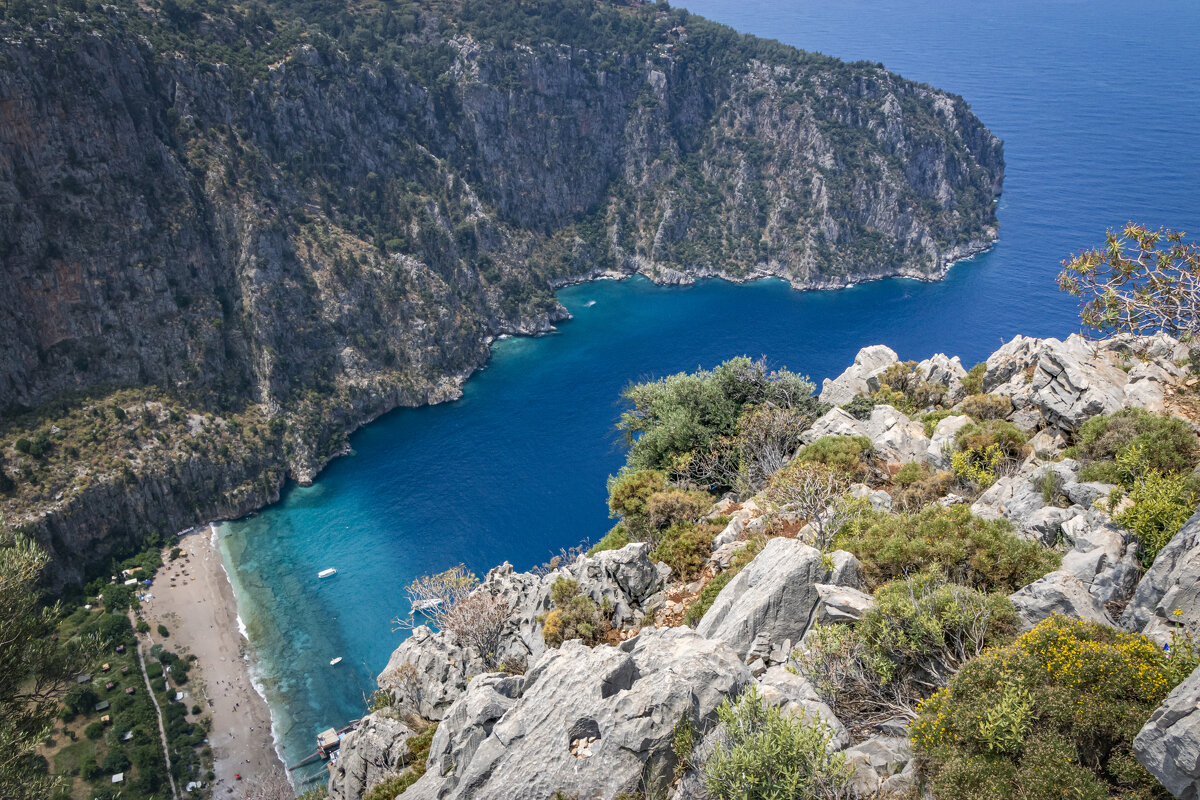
(921, 493)
(1162, 502)
(629, 490)
(922, 627)
(978, 467)
(981, 435)
(94, 730)
(982, 554)
(673, 506)
(615, 539)
(973, 383)
(1053, 714)
(162, 631)
(575, 616)
(848, 454)
(142, 626)
(931, 419)
(686, 413)
(1168, 443)
(900, 388)
(860, 407)
(684, 547)
(766, 753)
(920, 631)
(910, 473)
(982, 407)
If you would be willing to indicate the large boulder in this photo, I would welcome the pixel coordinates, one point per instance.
(1103, 556)
(376, 749)
(584, 722)
(941, 444)
(1057, 593)
(1172, 584)
(1168, 746)
(774, 596)
(870, 362)
(946, 371)
(428, 672)
(895, 437)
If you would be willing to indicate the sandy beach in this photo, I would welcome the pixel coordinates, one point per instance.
(193, 599)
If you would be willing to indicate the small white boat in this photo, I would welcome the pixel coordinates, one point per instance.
(335, 661)
(428, 605)
(326, 573)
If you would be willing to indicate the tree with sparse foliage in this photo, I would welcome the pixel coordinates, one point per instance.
(815, 492)
(35, 670)
(1142, 281)
(455, 602)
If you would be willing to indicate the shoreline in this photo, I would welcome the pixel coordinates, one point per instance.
(193, 598)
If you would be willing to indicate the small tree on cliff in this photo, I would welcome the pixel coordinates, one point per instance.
(455, 602)
(1141, 282)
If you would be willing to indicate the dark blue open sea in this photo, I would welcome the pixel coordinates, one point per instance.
(1098, 103)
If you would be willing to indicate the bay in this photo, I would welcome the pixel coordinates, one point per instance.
(1098, 102)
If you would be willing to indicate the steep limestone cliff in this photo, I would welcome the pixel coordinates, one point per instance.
(298, 218)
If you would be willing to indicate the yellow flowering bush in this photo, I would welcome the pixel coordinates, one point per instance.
(1053, 714)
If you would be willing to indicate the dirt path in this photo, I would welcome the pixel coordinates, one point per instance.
(162, 729)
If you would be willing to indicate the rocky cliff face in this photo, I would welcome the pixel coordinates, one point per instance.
(263, 220)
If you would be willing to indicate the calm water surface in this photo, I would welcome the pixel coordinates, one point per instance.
(1098, 102)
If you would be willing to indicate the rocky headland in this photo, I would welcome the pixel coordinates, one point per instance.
(601, 715)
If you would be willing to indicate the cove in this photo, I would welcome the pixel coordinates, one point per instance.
(1090, 98)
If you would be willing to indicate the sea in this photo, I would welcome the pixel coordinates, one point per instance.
(1098, 104)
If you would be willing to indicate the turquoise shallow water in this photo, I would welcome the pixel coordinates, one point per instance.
(1098, 103)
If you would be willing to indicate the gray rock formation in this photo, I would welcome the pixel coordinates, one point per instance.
(586, 722)
(895, 437)
(841, 604)
(1057, 593)
(941, 444)
(376, 749)
(428, 671)
(1168, 746)
(1172, 584)
(945, 371)
(870, 362)
(774, 596)
(1103, 555)
(880, 760)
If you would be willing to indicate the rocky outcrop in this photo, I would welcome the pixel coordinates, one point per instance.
(371, 752)
(1057, 593)
(1167, 598)
(869, 363)
(895, 438)
(772, 600)
(584, 722)
(429, 671)
(1070, 381)
(1169, 744)
(778, 686)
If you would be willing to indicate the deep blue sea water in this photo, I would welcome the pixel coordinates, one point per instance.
(1098, 102)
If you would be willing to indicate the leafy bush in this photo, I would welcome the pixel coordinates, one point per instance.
(982, 554)
(1167, 443)
(922, 628)
(574, 616)
(981, 435)
(848, 454)
(684, 414)
(673, 506)
(94, 730)
(973, 383)
(921, 493)
(615, 539)
(900, 387)
(860, 407)
(684, 547)
(982, 407)
(764, 753)
(1162, 502)
(931, 419)
(1053, 714)
(629, 490)
(978, 467)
